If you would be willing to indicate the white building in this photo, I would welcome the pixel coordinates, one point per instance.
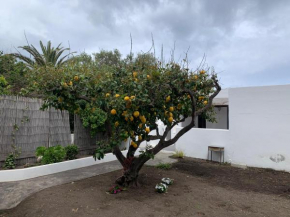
(253, 127)
(258, 133)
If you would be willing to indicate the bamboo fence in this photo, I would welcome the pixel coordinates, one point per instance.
(23, 124)
(83, 138)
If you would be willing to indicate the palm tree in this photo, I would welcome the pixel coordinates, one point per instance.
(49, 55)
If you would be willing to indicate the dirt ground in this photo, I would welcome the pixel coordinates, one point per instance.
(200, 189)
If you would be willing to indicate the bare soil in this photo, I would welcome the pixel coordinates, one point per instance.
(200, 189)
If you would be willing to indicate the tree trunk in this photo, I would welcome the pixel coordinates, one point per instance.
(132, 167)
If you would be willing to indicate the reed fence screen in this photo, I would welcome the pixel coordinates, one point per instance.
(83, 138)
(23, 124)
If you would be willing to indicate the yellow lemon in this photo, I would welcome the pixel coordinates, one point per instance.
(132, 97)
(131, 118)
(179, 106)
(148, 76)
(113, 111)
(205, 102)
(135, 74)
(70, 83)
(134, 144)
(195, 77)
(170, 119)
(64, 84)
(200, 98)
(117, 95)
(126, 118)
(143, 120)
(140, 125)
(167, 98)
(76, 78)
(202, 71)
(136, 114)
(171, 108)
(139, 138)
(124, 113)
(170, 114)
(147, 130)
(107, 94)
(126, 98)
(116, 123)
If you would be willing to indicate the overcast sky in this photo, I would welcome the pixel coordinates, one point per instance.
(246, 41)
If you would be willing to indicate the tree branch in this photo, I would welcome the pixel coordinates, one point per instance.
(218, 89)
(194, 114)
(84, 98)
(117, 152)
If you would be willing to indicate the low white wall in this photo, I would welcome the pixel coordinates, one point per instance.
(259, 129)
(32, 172)
(196, 141)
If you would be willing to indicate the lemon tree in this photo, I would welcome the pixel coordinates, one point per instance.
(125, 100)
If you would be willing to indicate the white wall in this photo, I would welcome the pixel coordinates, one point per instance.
(259, 129)
(260, 126)
(43, 170)
(196, 141)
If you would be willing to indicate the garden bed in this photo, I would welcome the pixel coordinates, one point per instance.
(200, 188)
(42, 170)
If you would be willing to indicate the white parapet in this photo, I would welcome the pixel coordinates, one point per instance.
(43, 170)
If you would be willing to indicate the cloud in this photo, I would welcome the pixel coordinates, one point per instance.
(246, 41)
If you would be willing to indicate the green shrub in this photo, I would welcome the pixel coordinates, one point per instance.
(163, 166)
(40, 151)
(71, 152)
(179, 154)
(52, 154)
(10, 162)
(4, 87)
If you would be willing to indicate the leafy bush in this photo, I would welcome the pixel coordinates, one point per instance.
(40, 151)
(71, 152)
(52, 154)
(10, 162)
(14, 72)
(4, 87)
(163, 166)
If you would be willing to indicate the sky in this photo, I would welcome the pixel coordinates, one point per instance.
(246, 41)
